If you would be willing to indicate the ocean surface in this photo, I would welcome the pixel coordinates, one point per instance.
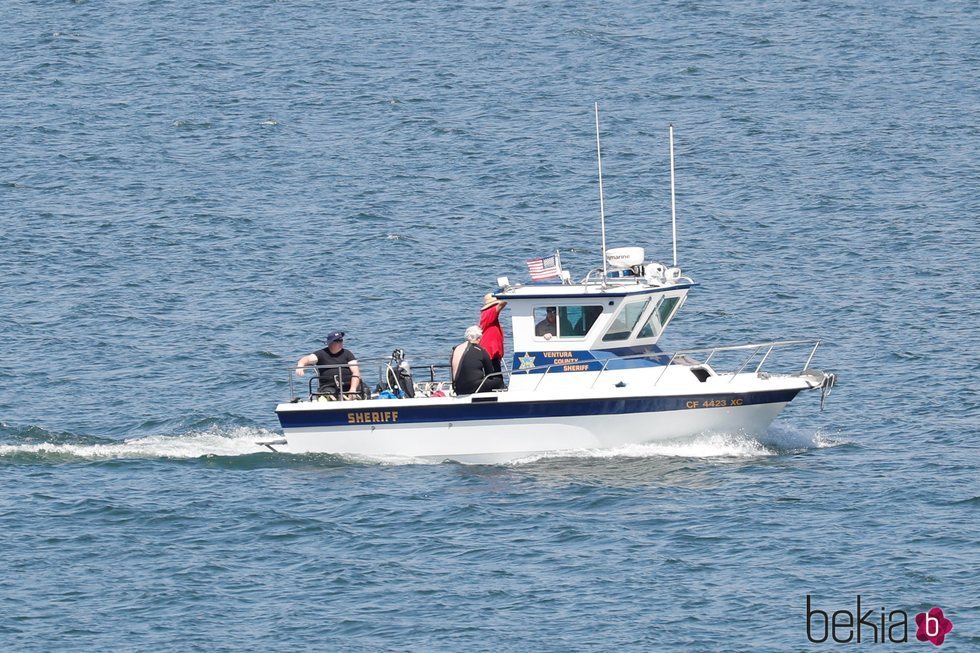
(193, 193)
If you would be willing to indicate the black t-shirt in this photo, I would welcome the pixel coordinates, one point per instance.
(327, 381)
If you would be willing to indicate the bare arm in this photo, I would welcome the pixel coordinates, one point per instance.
(355, 376)
(309, 359)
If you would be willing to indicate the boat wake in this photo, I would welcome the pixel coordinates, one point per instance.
(778, 441)
(39, 446)
(234, 447)
(49, 447)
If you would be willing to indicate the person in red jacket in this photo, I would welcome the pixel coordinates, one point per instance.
(493, 335)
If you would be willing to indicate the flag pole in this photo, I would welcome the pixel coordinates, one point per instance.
(673, 208)
(602, 210)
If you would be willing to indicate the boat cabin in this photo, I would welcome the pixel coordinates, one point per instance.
(572, 327)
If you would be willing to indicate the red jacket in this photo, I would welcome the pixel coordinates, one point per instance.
(493, 335)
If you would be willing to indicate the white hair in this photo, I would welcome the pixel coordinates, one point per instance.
(474, 333)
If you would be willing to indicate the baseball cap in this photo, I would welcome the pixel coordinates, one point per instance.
(333, 336)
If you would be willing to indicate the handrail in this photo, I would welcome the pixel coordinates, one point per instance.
(343, 395)
(747, 361)
(806, 365)
(419, 374)
(671, 359)
(337, 379)
(604, 280)
(762, 362)
(488, 376)
(711, 351)
(316, 375)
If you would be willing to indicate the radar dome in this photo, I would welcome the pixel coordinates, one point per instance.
(624, 257)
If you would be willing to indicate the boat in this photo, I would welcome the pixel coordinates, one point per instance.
(594, 378)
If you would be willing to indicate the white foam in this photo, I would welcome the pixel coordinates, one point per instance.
(788, 437)
(389, 460)
(721, 446)
(706, 446)
(215, 442)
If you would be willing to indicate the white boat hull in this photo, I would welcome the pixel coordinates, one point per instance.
(509, 436)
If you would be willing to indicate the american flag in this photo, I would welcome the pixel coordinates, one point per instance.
(544, 268)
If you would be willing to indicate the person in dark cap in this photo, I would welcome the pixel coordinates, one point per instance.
(334, 354)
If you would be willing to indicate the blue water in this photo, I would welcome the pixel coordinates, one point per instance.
(192, 193)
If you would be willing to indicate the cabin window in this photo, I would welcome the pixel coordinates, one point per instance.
(623, 325)
(659, 317)
(666, 309)
(564, 321)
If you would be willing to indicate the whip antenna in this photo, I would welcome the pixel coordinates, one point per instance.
(602, 210)
(673, 208)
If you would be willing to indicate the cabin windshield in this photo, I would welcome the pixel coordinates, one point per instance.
(659, 317)
(622, 326)
(565, 321)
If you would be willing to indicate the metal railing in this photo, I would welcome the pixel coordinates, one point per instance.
(599, 277)
(685, 356)
(479, 388)
(755, 349)
(425, 377)
(340, 393)
(428, 377)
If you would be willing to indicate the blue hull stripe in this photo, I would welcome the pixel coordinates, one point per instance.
(340, 415)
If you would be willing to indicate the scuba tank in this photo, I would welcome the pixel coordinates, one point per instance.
(397, 376)
(403, 373)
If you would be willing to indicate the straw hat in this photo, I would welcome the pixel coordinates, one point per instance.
(489, 300)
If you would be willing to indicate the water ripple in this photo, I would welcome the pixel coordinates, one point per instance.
(191, 198)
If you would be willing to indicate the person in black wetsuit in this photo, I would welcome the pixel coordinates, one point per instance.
(333, 354)
(471, 364)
